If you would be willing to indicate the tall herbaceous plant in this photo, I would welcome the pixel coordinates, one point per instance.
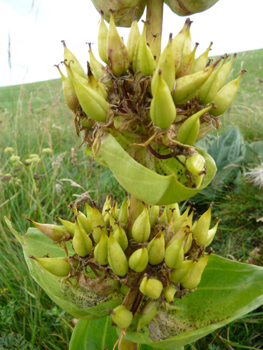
(147, 266)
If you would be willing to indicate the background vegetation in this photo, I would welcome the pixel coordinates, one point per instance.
(33, 117)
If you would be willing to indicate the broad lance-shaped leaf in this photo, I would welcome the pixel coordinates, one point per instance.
(228, 290)
(145, 184)
(77, 301)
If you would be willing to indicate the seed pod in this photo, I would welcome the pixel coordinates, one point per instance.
(117, 53)
(163, 218)
(106, 206)
(150, 287)
(139, 260)
(57, 266)
(69, 226)
(101, 250)
(148, 312)
(195, 273)
(169, 293)
(178, 45)
(156, 249)
(153, 214)
(92, 103)
(69, 57)
(187, 63)
(195, 164)
(89, 212)
(202, 226)
(81, 242)
(143, 56)
(189, 131)
(179, 222)
(54, 232)
(210, 88)
(97, 223)
(211, 233)
(188, 242)
(226, 95)
(201, 61)
(98, 69)
(70, 96)
(166, 64)
(162, 109)
(141, 228)
(182, 273)
(121, 237)
(123, 214)
(133, 39)
(174, 253)
(224, 72)
(122, 317)
(102, 39)
(189, 85)
(117, 259)
(95, 84)
(188, 38)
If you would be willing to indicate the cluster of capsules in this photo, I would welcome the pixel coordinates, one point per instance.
(155, 254)
(164, 105)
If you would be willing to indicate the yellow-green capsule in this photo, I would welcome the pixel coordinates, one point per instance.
(102, 39)
(133, 39)
(174, 253)
(196, 272)
(141, 228)
(121, 237)
(117, 259)
(211, 233)
(162, 109)
(69, 57)
(123, 214)
(189, 130)
(169, 293)
(98, 69)
(97, 223)
(54, 232)
(182, 273)
(153, 214)
(150, 287)
(139, 260)
(143, 56)
(69, 93)
(179, 221)
(69, 226)
(57, 266)
(201, 61)
(195, 164)
(187, 63)
(156, 249)
(101, 250)
(81, 242)
(148, 312)
(202, 226)
(163, 218)
(122, 317)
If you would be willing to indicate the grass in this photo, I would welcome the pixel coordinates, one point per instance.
(33, 117)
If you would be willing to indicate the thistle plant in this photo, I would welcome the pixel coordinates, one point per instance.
(144, 263)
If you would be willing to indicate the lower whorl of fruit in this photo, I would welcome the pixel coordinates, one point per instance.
(155, 256)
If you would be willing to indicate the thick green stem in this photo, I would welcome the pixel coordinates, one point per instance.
(154, 29)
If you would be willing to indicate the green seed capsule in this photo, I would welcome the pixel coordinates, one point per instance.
(123, 214)
(139, 260)
(97, 223)
(141, 228)
(152, 288)
(174, 253)
(153, 214)
(156, 249)
(117, 259)
(81, 242)
(122, 317)
(121, 237)
(169, 293)
(69, 226)
(101, 250)
(202, 226)
(195, 273)
(57, 266)
(148, 312)
(54, 232)
(182, 273)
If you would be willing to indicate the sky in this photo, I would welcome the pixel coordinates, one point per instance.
(31, 32)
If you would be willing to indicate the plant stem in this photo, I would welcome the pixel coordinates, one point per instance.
(154, 30)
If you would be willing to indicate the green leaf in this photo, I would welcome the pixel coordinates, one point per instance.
(15, 233)
(77, 301)
(93, 335)
(145, 184)
(228, 290)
